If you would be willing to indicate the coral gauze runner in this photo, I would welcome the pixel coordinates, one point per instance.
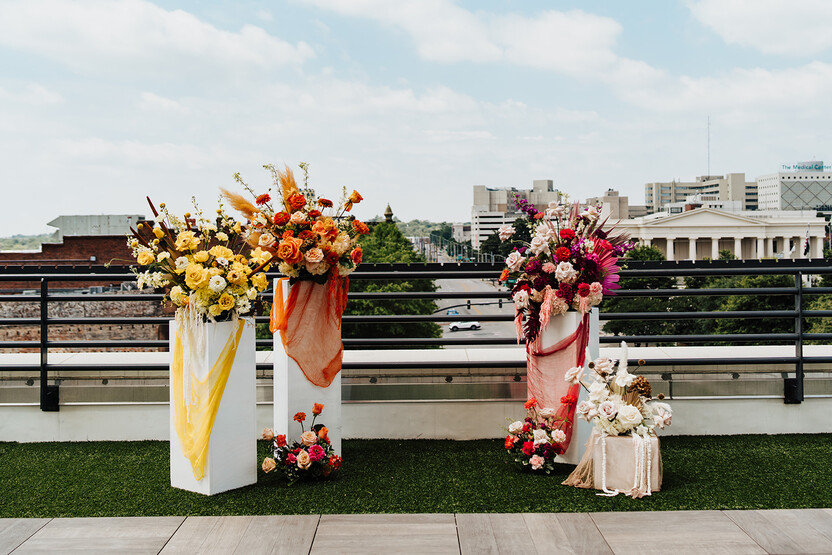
(546, 368)
(310, 326)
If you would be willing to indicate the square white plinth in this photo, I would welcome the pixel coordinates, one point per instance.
(232, 448)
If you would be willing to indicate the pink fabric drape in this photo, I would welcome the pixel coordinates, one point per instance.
(546, 368)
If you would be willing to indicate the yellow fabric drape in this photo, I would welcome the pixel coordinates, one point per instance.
(195, 421)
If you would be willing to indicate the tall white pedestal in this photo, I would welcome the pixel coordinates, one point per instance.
(560, 327)
(294, 393)
(231, 461)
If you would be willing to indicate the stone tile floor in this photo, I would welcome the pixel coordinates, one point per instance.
(729, 532)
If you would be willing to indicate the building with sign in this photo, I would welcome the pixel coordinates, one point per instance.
(730, 187)
(801, 186)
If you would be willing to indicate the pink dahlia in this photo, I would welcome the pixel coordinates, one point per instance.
(316, 453)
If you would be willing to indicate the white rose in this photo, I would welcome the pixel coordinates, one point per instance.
(217, 284)
(521, 298)
(607, 410)
(515, 427)
(598, 391)
(559, 436)
(662, 414)
(251, 293)
(540, 436)
(565, 272)
(505, 232)
(604, 365)
(573, 375)
(181, 263)
(539, 245)
(547, 412)
(629, 416)
(515, 261)
(266, 240)
(555, 209)
(297, 218)
(221, 236)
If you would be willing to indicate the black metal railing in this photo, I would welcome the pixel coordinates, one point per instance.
(19, 281)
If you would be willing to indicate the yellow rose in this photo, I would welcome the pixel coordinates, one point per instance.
(145, 258)
(176, 294)
(236, 277)
(201, 256)
(221, 252)
(214, 271)
(260, 281)
(214, 310)
(186, 240)
(226, 301)
(157, 231)
(196, 276)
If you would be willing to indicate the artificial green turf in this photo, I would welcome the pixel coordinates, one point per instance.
(417, 476)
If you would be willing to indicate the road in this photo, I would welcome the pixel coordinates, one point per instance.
(489, 329)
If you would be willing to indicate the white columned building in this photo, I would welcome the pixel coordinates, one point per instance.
(702, 233)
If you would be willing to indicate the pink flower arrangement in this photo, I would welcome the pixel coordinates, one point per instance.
(569, 264)
(535, 441)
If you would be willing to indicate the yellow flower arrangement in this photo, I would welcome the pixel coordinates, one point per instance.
(204, 265)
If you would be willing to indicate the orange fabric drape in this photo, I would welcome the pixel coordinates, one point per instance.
(309, 323)
(546, 368)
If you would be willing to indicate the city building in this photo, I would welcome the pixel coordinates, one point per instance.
(700, 233)
(493, 208)
(617, 207)
(731, 187)
(801, 186)
(462, 232)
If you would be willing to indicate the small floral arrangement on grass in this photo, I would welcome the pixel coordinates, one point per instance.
(312, 457)
(204, 264)
(569, 264)
(620, 403)
(536, 441)
(309, 237)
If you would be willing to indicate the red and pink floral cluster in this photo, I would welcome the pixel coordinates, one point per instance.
(538, 439)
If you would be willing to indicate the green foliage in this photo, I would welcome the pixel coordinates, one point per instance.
(131, 478)
(423, 228)
(25, 242)
(522, 236)
(638, 304)
(823, 324)
(387, 244)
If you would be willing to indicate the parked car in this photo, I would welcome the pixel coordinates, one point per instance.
(453, 312)
(456, 326)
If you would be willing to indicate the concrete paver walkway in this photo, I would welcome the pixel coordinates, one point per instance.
(729, 532)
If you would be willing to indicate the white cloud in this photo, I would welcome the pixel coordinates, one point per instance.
(794, 28)
(154, 103)
(31, 93)
(136, 38)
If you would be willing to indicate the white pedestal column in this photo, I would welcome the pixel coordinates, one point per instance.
(738, 247)
(558, 328)
(714, 249)
(671, 252)
(232, 448)
(294, 393)
(692, 248)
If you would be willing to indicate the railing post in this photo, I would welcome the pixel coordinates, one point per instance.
(793, 387)
(48, 393)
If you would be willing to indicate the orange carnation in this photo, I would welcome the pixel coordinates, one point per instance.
(300, 416)
(510, 441)
(281, 218)
(289, 250)
(356, 255)
(296, 201)
(314, 213)
(317, 409)
(360, 227)
(530, 403)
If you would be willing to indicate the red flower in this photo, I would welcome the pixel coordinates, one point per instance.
(504, 275)
(583, 289)
(510, 440)
(280, 441)
(296, 201)
(360, 227)
(335, 461)
(568, 400)
(356, 255)
(332, 257)
(291, 459)
(305, 234)
(527, 427)
(314, 213)
(300, 416)
(567, 233)
(317, 409)
(538, 216)
(530, 403)
(263, 199)
(281, 218)
(324, 202)
(528, 448)
(288, 234)
(563, 253)
(558, 449)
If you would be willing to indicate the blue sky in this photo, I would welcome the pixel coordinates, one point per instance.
(410, 102)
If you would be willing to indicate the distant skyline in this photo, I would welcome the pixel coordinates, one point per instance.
(412, 102)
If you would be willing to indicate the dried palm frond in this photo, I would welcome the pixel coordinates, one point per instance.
(239, 203)
(287, 185)
(632, 398)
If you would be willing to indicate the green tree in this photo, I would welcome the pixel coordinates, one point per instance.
(638, 304)
(386, 244)
(522, 236)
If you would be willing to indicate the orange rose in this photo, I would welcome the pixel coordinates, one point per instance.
(289, 250)
(288, 233)
(268, 434)
(355, 198)
(322, 434)
(269, 465)
(504, 275)
(360, 227)
(530, 403)
(281, 218)
(317, 409)
(356, 255)
(280, 441)
(296, 201)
